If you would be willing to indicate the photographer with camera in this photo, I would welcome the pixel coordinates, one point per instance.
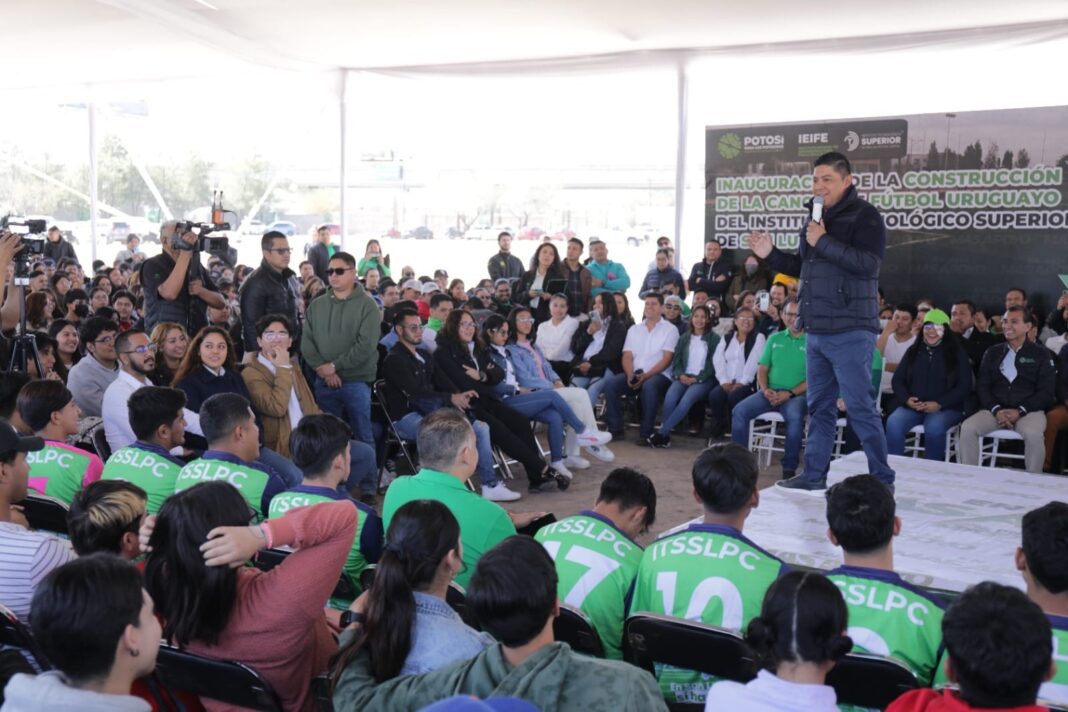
(176, 286)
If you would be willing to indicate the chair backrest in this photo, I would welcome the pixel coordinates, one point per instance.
(15, 634)
(228, 682)
(867, 680)
(100, 444)
(573, 627)
(649, 638)
(45, 513)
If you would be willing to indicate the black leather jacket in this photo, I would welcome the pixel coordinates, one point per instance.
(267, 291)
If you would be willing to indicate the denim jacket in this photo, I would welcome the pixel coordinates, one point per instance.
(526, 368)
(440, 637)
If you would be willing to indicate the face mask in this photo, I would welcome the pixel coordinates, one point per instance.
(750, 269)
(883, 323)
(434, 324)
(937, 329)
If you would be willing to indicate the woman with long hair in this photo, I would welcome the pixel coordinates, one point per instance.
(554, 337)
(464, 359)
(213, 605)
(536, 286)
(623, 307)
(408, 628)
(798, 637)
(735, 361)
(692, 373)
(68, 353)
(531, 389)
(599, 347)
(39, 309)
(171, 345)
(372, 257)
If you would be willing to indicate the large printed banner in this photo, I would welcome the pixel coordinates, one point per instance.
(973, 202)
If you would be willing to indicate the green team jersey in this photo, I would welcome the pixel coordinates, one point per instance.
(1056, 689)
(61, 470)
(148, 466)
(891, 618)
(596, 565)
(708, 573)
(255, 484)
(366, 546)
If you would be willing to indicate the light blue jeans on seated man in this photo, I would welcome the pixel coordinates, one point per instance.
(594, 385)
(679, 400)
(935, 427)
(841, 364)
(550, 408)
(792, 411)
(408, 428)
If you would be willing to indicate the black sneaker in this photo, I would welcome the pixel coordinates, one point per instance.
(562, 480)
(788, 474)
(647, 441)
(806, 485)
(660, 441)
(539, 483)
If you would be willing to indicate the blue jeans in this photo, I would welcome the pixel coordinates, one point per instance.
(593, 386)
(549, 408)
(721, 402)
(408, 428)
(289, 472)
(935, 427)
(650, 395)
(363, 470)
(841, 364)
(351, 403)
(679, 400)
(793, 412)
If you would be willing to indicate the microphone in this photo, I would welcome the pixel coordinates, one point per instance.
(817, 208)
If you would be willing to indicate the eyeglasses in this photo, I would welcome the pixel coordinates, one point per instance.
(143, 349)
(748, 319)
(671, 307)
(104, 340)
(275, 335)
(467, 325)
(338, 271)
(281, 250)
(525, 320)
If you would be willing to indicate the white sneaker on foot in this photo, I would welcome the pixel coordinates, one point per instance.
(601, 452)
(593, 437)
(577, 463)
(499, 493)
(562, 469)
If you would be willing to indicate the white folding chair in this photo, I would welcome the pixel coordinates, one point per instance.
(915, 442)
(765, 437)
(990, 444)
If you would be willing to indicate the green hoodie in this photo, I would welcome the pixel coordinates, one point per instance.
(344, 332)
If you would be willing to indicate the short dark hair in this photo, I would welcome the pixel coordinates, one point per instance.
(102, 512)
(345, 257)
(401, 314)
(999, 643)
(577, 241)
(93, 327)
(316, 441)
(725, 477)
(269, 237)
(1021, 290)
(38, 400)
(10, 384)
(654, 295)
(513, 590)
(835, 160)
(1045, 545)
(1026, 314)
(80, 612)
(121, 293)
(123, 339)
(860, 514)
(150, 407)
(910, 309)
(438, 298)
(502, 234)
(970, 305)
(267, 319)
(221, 413)
(628, 488)
(440, 437)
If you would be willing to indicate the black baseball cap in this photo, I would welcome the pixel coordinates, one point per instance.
(11, 441)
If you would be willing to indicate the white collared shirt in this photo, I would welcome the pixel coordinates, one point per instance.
(116, 413)
(648, 347)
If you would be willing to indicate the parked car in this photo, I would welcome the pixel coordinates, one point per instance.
(564, 235)
(283, 226)
(487, 232)
(453, 232)
(530, 233)
(419, 233)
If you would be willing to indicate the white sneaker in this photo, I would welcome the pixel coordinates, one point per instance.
(601, 453)
(499, 493)
(559, 467)
(594, 437)
(577, 463)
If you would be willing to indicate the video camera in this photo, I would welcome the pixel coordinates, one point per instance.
(28, 229)
(205, 243)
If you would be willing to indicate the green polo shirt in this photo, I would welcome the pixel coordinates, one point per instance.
(483, 524)
(784, 355)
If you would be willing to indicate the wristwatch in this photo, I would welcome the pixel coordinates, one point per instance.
(350, 617)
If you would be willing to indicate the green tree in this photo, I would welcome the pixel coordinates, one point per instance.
(1006, 160)
(934, 158)
(992, 159)
(1023, 158)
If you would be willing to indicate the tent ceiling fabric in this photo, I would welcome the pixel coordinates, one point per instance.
(72, 42)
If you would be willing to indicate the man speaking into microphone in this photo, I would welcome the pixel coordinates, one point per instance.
(842, 247)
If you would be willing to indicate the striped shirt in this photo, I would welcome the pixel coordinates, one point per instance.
(26, 557)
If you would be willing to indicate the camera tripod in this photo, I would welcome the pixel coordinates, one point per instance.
(24, 344)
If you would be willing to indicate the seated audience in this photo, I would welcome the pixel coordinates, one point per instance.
(798, 637)
(320, 447)
(106, 516)
(931, 384)
(157, 416)
(975, 342)
(672, 313)
(781, 386)
(692, 374)
(603, 539)
(735, 362)
(606, 276)
(46, 352)
(725, 483)
(211, 605)
(97, 626)
(1057, 416)
(1017, 383)
(753, 278)
(91, 376)
(554, 336)
(233, 445)
(59, 470)
(10, 385)
(1043, 563)
(647, 353)
(663, 273)
(407, 626)
(137, 361)
(713, 273)
(514, 596)
(999, 654)
(448, 454)
(65, 334)
(26, 556)
(861, 519)
(598, 347)
(896, 338)
(171, 344)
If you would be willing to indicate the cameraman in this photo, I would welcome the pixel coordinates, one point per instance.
(176, 286)
(56, 247)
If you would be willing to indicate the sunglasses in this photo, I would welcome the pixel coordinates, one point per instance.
(338, 271)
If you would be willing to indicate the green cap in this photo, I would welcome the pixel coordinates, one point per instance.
(936, 316)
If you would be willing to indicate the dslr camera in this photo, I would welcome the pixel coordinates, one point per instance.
(32, 232)
(204, 243)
